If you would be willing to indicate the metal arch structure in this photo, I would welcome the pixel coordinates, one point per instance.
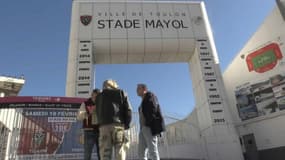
(126, 32)
(181, 137)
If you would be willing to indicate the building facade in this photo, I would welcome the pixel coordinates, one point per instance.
(257, 96)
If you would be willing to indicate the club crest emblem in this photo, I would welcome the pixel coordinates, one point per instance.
(85, 19)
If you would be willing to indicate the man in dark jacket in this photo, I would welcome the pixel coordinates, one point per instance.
(91, 130)
(114, 117)
(151, 123)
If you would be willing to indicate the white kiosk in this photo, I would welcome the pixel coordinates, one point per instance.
(127, 32)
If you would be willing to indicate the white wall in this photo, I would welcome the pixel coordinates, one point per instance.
(183, 139)
(272, 29)
(268, 133)
(268, 130)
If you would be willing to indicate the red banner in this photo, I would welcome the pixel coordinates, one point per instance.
(40, 102)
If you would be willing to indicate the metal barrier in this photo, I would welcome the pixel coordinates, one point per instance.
(50, 133)
(181, 140)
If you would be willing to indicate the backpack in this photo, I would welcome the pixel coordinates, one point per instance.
(113, 107)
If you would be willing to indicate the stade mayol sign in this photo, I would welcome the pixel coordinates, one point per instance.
(167, 20)
(264, 59)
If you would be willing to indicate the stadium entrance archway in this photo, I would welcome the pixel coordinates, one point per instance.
(127, 32)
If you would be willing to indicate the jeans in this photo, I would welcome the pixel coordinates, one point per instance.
(90, 138)
(147, 145)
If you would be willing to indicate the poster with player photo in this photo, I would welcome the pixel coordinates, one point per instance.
(246, 104)
(278, 87)
(265, 101)
(261, 98)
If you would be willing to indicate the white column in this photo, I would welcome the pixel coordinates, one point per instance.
(72, 52)
(79, 82)
(222, 142)
(84, 70)
(217, 131)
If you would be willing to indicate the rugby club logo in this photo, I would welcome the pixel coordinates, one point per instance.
(85, 19)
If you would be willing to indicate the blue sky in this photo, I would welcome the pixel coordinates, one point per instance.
(34, 39)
